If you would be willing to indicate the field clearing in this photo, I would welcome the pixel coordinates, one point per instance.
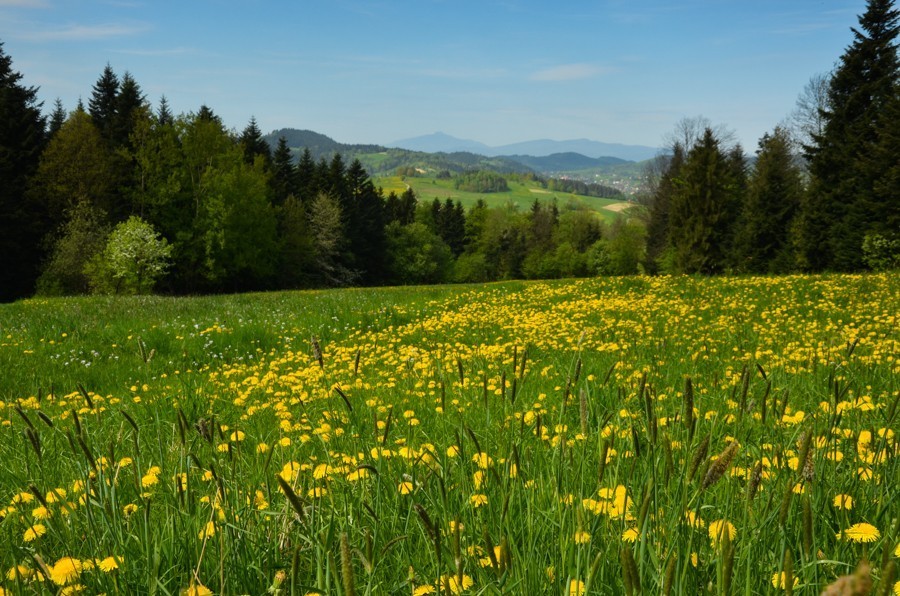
(564, 437)
(521, 195)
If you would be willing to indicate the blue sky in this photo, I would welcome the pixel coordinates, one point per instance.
(496, 71)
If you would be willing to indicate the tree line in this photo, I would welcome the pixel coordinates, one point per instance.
(117, 196)
(822, 196)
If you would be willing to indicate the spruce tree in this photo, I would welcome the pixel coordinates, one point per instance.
(770, 205)
(658, 224)
(21, 141)
(843, 205)
(705, 191)
(130, 102)
(103, 103)
(307, 188)
(57, 118)
(254, 145)
(284, 176)
(164, 113)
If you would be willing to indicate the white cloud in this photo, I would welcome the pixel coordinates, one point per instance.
(84, 32)
(569, 72)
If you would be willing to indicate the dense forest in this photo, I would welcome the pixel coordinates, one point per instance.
(121, 196)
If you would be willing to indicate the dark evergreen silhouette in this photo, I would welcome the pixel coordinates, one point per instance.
(843, 204)
(21, 141)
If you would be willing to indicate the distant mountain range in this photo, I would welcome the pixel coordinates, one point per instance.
(444, 143)
(596, 162)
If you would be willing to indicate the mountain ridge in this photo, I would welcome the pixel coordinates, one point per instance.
(445, 143)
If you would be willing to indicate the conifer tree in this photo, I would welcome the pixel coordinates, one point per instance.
(306, 177)
(699, 209)
(21, 141)
(770, 206)
(57, 118)
(164, 113)
(253, 143)
(103, 103)
(284, 176)
(130, 102)
(659, 213)
(843, 205)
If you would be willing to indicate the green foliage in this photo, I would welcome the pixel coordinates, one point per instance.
(482, 181)
(845, 161)
(703, 207)
(621, 253)
(134, 257)
(237, 223)
(416, 255)
(881, 253)
(81, 238)
(770, 207)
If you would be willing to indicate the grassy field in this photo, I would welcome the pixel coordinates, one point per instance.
(607, 436)
(522, 195)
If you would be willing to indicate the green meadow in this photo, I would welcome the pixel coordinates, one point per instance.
(520, 194)
(666, 435)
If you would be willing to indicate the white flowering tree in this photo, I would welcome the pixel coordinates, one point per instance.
(133, 259)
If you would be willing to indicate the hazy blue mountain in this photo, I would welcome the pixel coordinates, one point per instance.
(595, 149)
(565, 162)
(441, 142)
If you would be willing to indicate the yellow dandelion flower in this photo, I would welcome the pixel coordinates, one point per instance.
(148, 480)
(40, 513)
(208, 531)
(34, 532)
(260, 500)
(128, 509)
(630, 535)
(404, 488)
(19, 572)
(718, 528)
(778, 580)
(262, 448)
(454, 585)
(426, 589)
(576, 587)
(65, 571)
(73, 589)
(108, 564)
(197, 590)
(843, 502)
(478, 500)
(317, 492)
(482, 460)
(582, 537)
(862, 532)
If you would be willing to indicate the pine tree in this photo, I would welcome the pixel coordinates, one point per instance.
(658, 227)
(705, 191)
(843, 205)
(164, 113)
(770, 206)
(284, 176)
(21, 141)
(307, 188)
(57, 118)
(886, 204)
(364, 224)
(103, 103)
(254, 145)
(130, 102)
